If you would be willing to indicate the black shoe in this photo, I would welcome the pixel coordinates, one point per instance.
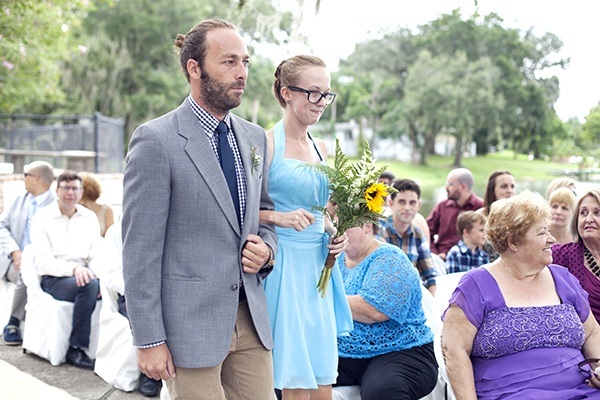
(11, 335)
(149, 387)
(78, 358)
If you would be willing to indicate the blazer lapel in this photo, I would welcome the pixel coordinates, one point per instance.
(202, 155)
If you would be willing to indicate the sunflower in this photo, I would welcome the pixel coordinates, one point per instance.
(375, 197)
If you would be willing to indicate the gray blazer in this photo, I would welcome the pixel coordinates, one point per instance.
(182, 242)
(12, 226)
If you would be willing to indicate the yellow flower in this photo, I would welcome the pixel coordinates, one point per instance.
(375, 197)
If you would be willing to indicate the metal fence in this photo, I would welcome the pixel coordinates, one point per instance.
(80, 143)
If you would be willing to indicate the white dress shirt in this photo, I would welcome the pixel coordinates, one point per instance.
(62, 243)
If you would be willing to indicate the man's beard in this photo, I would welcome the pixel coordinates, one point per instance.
(453, 195)
(215, 94)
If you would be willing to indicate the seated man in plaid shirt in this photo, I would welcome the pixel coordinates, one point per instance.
(468, 253)
(398, 229)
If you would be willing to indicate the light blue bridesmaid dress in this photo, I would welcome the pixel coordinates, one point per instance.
(305, 326)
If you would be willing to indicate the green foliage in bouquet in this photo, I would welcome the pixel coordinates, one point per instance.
(356, 194)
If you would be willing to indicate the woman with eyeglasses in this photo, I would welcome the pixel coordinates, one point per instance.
(521, 327)
(581, 256)
(304, 325)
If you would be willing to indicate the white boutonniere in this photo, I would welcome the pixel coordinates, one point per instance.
(256, 158)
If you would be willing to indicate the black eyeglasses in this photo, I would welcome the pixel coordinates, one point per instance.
(314, 96)
(586, 366)
(26, 174)
(71, 188)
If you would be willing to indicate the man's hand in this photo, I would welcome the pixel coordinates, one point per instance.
(156, 362)
(83, 275)
(16, 258)
(255, 254)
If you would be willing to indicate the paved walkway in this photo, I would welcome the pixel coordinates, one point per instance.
(29, 377)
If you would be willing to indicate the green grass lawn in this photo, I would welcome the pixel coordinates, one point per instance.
(534, 174)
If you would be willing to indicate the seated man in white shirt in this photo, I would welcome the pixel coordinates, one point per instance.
(66, 237)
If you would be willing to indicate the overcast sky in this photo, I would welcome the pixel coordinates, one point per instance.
(342, 23)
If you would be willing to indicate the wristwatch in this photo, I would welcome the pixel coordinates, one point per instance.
(271, 261)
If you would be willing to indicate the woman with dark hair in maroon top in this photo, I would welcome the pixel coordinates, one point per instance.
(581, 256)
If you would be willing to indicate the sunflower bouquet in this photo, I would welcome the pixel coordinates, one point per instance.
(356, 194)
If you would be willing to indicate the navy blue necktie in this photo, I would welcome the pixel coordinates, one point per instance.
(228, 166)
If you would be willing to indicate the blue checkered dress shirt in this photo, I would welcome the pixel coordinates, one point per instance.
(460, 258)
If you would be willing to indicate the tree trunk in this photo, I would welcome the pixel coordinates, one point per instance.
(412, 131)
(458, 151)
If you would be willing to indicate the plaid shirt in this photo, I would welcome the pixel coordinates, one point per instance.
(414, 244)
(460, 258)
(209, 124)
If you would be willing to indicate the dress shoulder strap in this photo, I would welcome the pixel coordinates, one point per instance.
(278, 142)
(315, 145)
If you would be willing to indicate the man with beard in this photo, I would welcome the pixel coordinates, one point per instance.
(194, 253)
(442, 220)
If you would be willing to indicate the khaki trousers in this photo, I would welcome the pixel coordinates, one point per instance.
(245, 374)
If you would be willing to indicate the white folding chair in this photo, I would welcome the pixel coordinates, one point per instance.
(49, 321)
(116, 357)
(445, 285)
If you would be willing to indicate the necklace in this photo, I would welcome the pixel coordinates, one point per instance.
(592, 262)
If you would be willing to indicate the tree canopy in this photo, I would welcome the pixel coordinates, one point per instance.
(466, 77)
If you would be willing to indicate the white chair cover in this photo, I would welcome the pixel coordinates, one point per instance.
(438, 264)
(116, 357)
(49, 321)
(445, 286)
(7, 290)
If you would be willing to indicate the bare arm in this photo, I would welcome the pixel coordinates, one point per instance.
(457, 341)
(365, 312)
(109, 218)
(591, 346)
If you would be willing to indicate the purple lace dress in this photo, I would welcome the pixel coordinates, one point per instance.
(526, 352)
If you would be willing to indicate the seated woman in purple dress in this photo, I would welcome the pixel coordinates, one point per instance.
(518, 328)
(580, 256)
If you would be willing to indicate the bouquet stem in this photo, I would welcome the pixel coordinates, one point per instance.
(325, 275)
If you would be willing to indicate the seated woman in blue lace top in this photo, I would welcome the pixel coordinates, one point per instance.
(519, 328)
(390, 351)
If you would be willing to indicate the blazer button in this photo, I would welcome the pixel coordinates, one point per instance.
(234, 286)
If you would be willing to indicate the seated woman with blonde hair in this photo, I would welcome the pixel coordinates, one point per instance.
(562, 181)
(562, 202)
(521, 327)
(91, 193)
